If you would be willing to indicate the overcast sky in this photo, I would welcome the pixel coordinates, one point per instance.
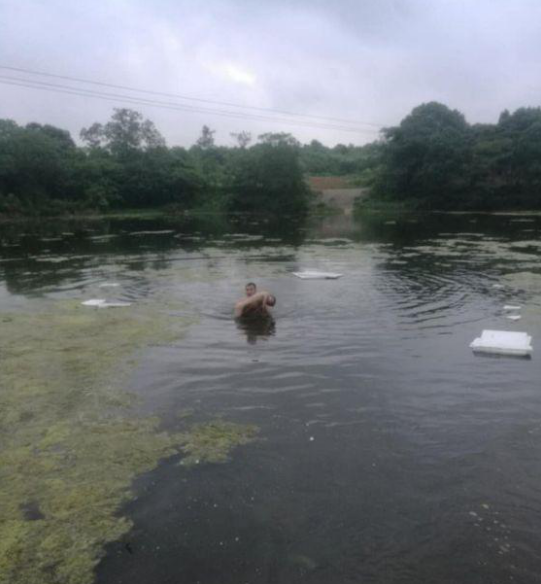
(362, 60)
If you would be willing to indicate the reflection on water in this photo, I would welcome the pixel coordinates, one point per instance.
(387, 449)
(256, 327)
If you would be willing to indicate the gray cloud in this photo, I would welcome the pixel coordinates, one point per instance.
(370, 60)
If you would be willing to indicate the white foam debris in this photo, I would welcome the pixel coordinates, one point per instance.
(109, 285)
(317, 275)
(94, 302)
(511, 307)
(513, 316)
(102, 303)
(503, 342)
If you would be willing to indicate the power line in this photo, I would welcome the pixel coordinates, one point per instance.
(57, 88)
(185, 97)
(164, 105)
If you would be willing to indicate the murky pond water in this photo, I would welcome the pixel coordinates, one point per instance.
(386, 451)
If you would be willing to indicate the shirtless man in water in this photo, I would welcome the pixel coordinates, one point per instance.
(255, 304)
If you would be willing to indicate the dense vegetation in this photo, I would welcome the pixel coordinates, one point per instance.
(125, 163)
(435, 159)
(357, 161)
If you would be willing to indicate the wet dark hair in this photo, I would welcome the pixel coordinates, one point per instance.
(250, 284)
(271, 300)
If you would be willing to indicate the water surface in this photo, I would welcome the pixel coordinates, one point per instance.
(387, 452)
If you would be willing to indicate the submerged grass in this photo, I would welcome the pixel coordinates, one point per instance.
(213, 441)
(69, 445)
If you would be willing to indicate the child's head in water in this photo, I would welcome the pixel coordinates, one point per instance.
(271, 300)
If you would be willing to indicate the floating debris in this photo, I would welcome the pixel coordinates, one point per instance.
(102, 303)
(94, 302)
(503, 342)
(317, 275)
(512, 307)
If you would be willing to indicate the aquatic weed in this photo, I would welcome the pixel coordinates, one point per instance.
(69, 445)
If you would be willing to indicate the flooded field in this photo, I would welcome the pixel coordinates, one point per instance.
(354, 438)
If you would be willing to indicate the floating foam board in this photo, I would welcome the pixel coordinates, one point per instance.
(93, 302)
(503, 343)
(511, 307)
(514, 317)
(102, 303)
(317, 275)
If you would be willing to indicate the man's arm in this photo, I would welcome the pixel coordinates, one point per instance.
(257, 300)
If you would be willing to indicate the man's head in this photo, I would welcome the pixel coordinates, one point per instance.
(271, 300)
(250, 288)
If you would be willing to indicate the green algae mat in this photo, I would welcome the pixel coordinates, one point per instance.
(70, 441)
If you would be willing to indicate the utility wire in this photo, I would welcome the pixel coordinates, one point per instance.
(185, 97)
(57, 88)
(165, 105)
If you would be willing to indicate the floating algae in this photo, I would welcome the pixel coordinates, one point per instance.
(213, 441)
(69, 448)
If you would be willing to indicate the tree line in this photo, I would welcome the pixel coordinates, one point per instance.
(435, 160)
(125, 163)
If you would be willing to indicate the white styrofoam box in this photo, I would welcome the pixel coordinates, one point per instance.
(503, 342)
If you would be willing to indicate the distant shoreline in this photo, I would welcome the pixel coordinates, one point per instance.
(160, 212)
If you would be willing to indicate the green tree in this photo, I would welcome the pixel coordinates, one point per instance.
(279, 139)
(206, 140)
(426, 157)
(243, 139)
(126, 132)
(36, 163)
(268, 178)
